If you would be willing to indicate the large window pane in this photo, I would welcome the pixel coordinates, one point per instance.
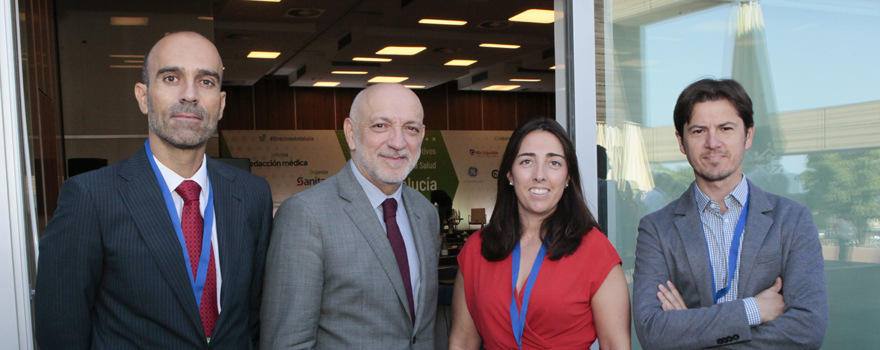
(811, 68)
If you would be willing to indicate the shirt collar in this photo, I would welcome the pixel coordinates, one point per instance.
(173, 180)
(739, 194)
(374, 194)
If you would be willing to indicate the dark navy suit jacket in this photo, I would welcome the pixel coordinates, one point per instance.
(111, 272)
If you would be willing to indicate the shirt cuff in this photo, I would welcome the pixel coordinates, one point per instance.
(752, 312)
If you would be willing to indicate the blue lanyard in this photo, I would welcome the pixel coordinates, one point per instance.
(517, 317)
(733, 255)
(198, 283)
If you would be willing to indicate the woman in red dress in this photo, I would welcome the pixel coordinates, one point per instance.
(540, 275)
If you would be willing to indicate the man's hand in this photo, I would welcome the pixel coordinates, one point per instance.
(670, 298)
(770, 302)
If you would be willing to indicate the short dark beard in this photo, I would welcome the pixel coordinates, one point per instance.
(160, 127)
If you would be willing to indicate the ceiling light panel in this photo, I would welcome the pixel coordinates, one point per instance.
(401, 50)
(526, 80)
(326, 83)
(500, 46)
(349, 72)
(264, 0)
(445, 22)
(552, 67)
(500, 87)
(415, 86)
(371, 59)
(384, 79)
(263, 54)
(129, 21)
(534, 16)
(461, 63)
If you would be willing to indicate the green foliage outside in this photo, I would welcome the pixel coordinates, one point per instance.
(844, 185)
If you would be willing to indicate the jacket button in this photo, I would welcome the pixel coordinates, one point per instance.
(736, 337)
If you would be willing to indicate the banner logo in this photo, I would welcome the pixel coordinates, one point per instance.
(472, 171)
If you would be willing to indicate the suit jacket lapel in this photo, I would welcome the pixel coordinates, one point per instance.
(690, 229)
(362, 214)
(144, 200)
(757, 226)
(229, 221)
(419, 235)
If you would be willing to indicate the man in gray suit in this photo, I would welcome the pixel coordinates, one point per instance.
(349, 268)
(727, 264)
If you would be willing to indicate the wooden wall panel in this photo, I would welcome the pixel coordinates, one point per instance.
(344, 99)
(273, 105)
(499, 111)
(465, 109)
(239, 111)
(315, 109)
(435, 107)
(535, 104)
(279, 107)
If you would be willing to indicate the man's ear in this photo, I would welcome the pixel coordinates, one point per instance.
(348, 130)
(140, 94)
(680, 143)
(222, 104)
(750, 134)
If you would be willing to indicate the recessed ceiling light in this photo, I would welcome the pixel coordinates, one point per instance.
(263, 54)
(127, 56)
(133, 61)
(401, 50)
(127, 66)
(552, 67)
(349, 72)
(326, 83)
(381, 79)
(527, 80)
(264, 0)
(415, 86)
(534, 16)
(129, 21)
(500, 46)
(445, 22)
(207, 18)
(371, 59)
(460, 63)
(500, 87)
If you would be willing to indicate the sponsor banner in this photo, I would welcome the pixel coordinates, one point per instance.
(476, 156)
(290, 160)
(462, 163)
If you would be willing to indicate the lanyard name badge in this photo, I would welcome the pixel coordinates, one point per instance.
(518, 317)
(733, 254)
(197, 283)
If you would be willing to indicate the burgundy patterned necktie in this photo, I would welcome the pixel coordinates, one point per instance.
(389, 207)
(193, 226)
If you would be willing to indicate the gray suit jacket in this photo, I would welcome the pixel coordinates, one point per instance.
(780, 239)
(332, 281)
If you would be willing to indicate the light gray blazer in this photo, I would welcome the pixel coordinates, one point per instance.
(332, 281)
(780, 239)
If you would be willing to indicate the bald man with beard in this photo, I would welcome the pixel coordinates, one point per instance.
(165, 249)
(353, 260)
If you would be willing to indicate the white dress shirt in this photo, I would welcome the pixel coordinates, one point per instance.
(201, 177)
(376, 197)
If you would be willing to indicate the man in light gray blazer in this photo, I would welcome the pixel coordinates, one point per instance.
(684, 294)
(348, 268)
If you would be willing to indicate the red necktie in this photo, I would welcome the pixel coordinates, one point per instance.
(389, 208)
(193, 225)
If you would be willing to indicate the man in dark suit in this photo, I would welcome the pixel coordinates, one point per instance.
(727, 264)
(353, 260)
(163, 250)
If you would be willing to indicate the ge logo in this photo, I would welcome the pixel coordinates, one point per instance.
(473, 151)
(495, 174)
(472, 172)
